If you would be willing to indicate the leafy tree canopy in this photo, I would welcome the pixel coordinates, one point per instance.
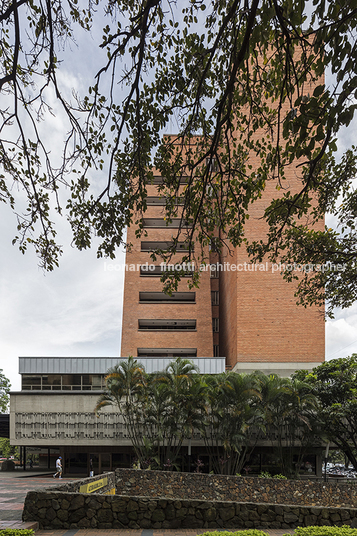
(6, 450)
(235, 73)
(334, 383)
(231, 412)
(4, 392)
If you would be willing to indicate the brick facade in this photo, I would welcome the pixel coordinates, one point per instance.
(133, 338)
(259, 323)
(259, 316)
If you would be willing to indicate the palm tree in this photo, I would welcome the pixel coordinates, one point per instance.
(125, 388)
(289, 409)
(234, 415)
(183, 390)
(158, 413)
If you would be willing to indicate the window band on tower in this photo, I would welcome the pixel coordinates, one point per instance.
(161, 297)
(167, 324)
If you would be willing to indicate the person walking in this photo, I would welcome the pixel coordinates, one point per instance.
(58, 467)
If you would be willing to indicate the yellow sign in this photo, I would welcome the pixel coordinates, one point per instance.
(93, 486)
(110, 492)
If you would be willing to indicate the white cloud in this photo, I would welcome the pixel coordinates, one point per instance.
(74, 311)
(341, 335)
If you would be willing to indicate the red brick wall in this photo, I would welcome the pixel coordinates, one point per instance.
(269, 324)
(259, 318)
(202, 338)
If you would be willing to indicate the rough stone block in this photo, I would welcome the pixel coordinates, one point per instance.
(345, 515)
(57, 524)
(64, 504)
(118, 525)
(170, 511)
(55, 504)
(50, 514)
(132, 506)
(157, 516)
(84, 523)
(133, 516)
(210, 514)
(310, 520)
(145, 523)
(254, 516)
(227, 513)
(74, 517)
(62, 515)
(181, 513)
(191, 522)
(107, 526)
(290, 518)
(76, 502)
(262, 508)
(118, 506)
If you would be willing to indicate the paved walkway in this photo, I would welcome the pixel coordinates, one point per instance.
(13, 489)
(15, 485)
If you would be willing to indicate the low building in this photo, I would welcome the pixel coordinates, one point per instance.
(54, 415)
(54, 411)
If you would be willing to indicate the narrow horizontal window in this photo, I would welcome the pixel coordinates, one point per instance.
(155, 200)
(167, 352)
(158, 179)
(165, 246)
(161, 297)
(150, 270)
(161, 223)
(165, 324)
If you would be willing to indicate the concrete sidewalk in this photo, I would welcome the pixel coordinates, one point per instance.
(13, 490)
(14, 486)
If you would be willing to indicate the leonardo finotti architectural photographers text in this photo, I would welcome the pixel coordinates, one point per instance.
(225, 267)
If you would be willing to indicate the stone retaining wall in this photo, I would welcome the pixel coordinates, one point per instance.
(56, 510)
(219, 502)
(231, 488)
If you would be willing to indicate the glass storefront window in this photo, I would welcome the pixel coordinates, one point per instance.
(65, 382)
(31, 382)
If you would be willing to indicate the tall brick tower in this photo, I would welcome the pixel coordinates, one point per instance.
(155, 324)
(243, 312)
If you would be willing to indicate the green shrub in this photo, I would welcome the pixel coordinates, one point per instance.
(345, 530)
(280, 477)
(248, 532)
(17, 532)
(265, 474)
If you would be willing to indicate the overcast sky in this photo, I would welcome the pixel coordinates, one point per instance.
(74, 311)
(77, 309)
